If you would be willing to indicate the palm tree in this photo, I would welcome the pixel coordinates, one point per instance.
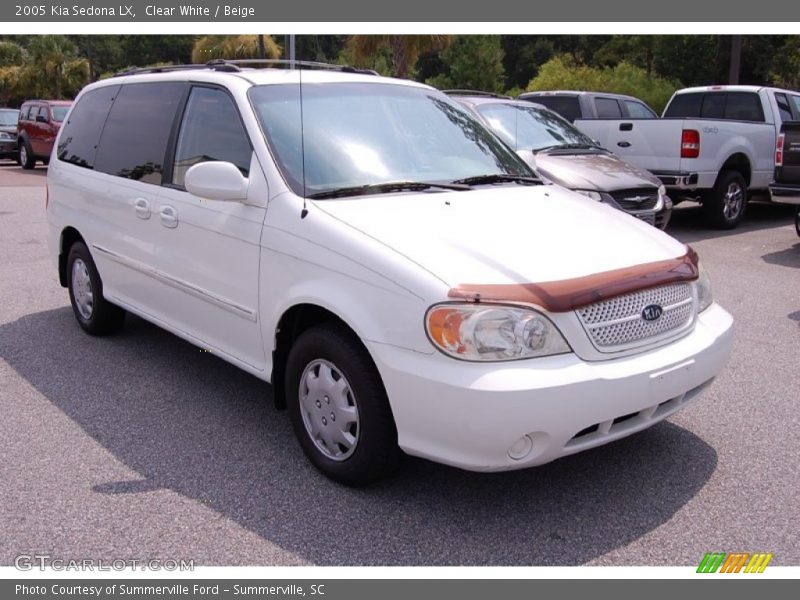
(48, 68)
(233, 46)
(405, 50)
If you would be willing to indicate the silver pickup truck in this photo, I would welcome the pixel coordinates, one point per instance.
(714, 144)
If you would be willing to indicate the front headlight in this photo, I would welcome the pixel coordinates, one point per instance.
(4, 135)
(591, 194)
(488, 332)
(704, 296)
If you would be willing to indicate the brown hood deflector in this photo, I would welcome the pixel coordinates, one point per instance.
(569, 294)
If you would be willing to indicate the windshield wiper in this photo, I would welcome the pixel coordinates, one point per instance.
(498, 178)
(575, 146)
(386, 188)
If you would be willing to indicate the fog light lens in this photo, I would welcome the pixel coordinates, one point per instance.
(521, 448)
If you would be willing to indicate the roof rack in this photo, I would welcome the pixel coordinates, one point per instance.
(292, 64)
(476, 93)
(232, 66)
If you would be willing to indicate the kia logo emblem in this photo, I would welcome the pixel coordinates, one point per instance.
(652, 312)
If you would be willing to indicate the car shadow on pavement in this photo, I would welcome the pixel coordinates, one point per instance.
(189, 422)
(688, 222)
(789, 257)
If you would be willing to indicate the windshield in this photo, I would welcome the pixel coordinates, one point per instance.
(59, 112)
(8, 117)
(531, 128)
(362, 134)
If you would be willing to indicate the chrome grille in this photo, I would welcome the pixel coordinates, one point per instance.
(618, 322)
(635, 200)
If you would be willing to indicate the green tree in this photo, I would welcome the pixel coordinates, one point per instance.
(48, 68)
(566, 73)
(404, 50)
(472, 62)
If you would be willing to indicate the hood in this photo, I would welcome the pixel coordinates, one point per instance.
(505, 234)
(590, 171)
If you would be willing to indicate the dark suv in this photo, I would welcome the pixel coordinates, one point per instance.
(8, 133)
(39, 122)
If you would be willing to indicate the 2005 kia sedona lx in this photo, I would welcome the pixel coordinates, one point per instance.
(387, 263)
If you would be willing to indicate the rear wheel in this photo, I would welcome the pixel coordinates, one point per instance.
(94, 313)
(338, 406)
(726, 204)
(26, 157)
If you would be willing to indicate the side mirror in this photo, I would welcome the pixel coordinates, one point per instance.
(41, 119)
(216, 180)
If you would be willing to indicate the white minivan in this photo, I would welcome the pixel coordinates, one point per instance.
(391, 267)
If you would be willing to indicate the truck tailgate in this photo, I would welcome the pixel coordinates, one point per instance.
(654, 144)
(786, 185)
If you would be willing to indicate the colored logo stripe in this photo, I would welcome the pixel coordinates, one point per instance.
(734, 562)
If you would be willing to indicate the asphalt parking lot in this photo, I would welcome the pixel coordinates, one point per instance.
(141, 446)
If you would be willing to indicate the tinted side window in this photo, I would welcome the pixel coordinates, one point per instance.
(23, 112)
(134, 140)
(684, 106)
(211, 130)
(567, 106)
(744, 106)
(795, 100)
(637, 110)
(81, 134)
(607, 108)
(784, 108)
(44, 113)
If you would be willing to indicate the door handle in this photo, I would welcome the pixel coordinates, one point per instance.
(169, 217)
(624, 144)
(626, 126)
(142, 208)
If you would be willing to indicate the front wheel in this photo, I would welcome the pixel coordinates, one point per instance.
(95, 314)
(26, 158)
(726, 204)
(338, 406)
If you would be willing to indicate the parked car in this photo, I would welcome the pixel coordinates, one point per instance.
(384, 260)
(574, 105)
(785, 187)
(39, 123)
(562, 154)
(715, 144)
(8, 132)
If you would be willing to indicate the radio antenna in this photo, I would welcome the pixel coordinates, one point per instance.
(304, 212)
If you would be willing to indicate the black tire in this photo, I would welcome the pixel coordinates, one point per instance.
(26, 158)
(102, 317)
(375, 453)
(797, 221)
(726, 204)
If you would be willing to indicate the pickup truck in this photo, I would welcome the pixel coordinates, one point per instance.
(713, 144)
(785, 188)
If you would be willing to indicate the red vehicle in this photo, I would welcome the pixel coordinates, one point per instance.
(39, 122)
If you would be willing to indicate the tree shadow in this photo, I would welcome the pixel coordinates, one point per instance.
(189, 422)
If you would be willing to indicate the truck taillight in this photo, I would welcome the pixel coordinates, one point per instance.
(690, 143)
(779, 151)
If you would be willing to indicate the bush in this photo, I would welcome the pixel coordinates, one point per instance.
(564, 73)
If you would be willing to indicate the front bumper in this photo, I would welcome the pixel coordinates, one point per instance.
(476, 416)
(8, 148)
(785, 194)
